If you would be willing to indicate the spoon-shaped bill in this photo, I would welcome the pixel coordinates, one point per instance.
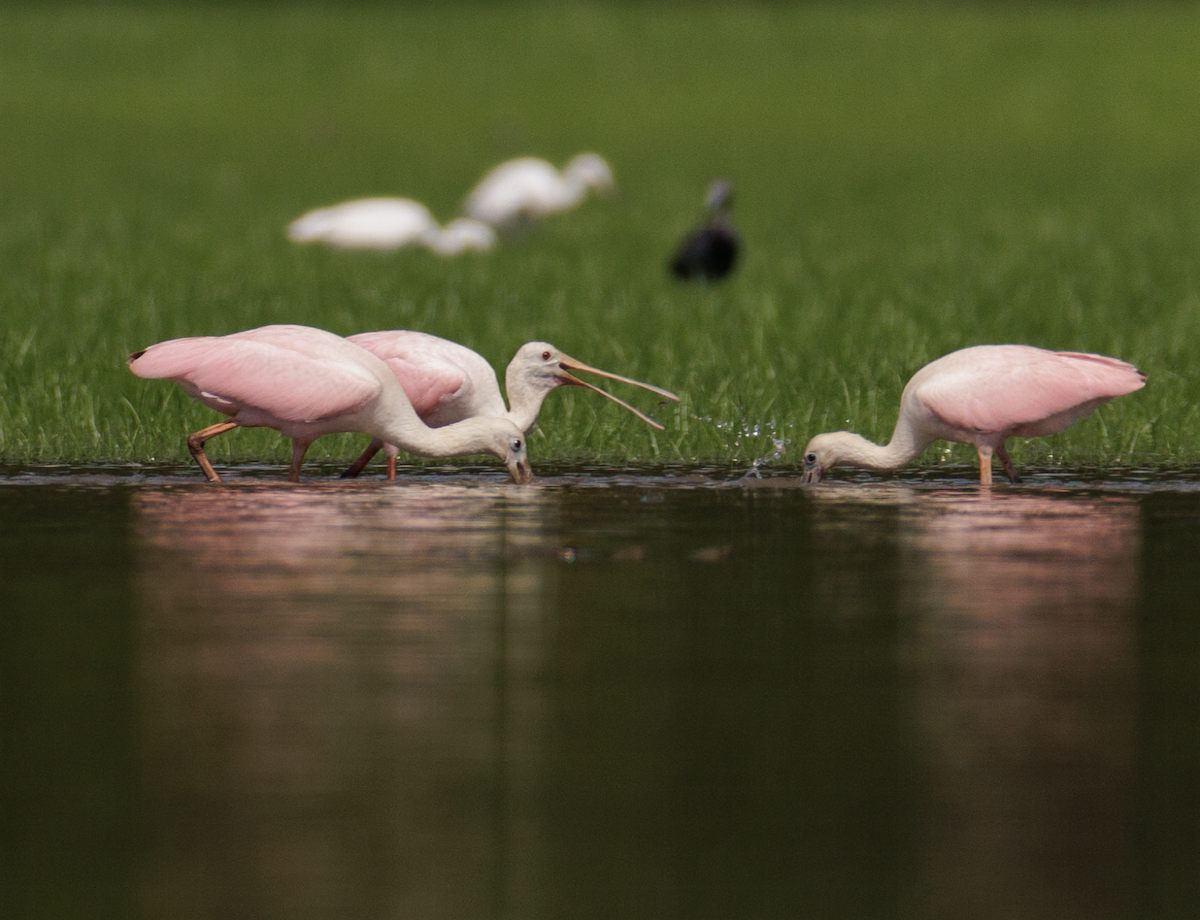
(568, 364)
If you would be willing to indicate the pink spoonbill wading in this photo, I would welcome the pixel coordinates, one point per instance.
(983, 395)
(448, 382)
(305, 382)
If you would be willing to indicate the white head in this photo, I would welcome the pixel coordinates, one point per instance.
(539, 367)
(720, 195)
(504, 440)
(591, 171)
(823, 452)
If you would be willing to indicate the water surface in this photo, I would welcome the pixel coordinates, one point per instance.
(611, 694)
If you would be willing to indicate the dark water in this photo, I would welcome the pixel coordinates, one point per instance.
(608, 695)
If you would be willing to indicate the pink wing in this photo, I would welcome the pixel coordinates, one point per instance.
(1019, 388)
(293, 375)
(440, 377)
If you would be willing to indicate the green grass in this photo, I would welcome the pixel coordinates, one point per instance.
(911, 180)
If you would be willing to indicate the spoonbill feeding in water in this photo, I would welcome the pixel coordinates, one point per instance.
(529, 188)
(306, 382)
(447, 382)
(710, 252)
(389, 223)
(983, 395)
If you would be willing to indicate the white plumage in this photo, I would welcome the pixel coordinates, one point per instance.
(388, 223)
(529, 188)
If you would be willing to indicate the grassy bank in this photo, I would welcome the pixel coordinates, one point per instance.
(910, 181)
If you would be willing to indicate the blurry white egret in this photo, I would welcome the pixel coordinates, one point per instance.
(529, 188)
(388, 223)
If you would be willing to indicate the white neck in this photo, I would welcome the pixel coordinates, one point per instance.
(572, 190)
(525, 401)
(396, 422)
(855, 450)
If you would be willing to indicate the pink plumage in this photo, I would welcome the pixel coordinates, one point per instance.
(279, 372)
(984, 395)
(1018, 390)
(447, 382)
(306, 382)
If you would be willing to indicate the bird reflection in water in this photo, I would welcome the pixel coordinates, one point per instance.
(415, 542)
(314, 664)
(1024, 653)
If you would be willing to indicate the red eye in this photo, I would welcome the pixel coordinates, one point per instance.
(545, 356)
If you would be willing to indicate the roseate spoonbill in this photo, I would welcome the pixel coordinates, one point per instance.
(448, 382)
(306, 382)
(529, 188)
(388, 223)
(710, 252)
(983, 396)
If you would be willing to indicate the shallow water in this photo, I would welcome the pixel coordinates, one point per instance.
(614, 693)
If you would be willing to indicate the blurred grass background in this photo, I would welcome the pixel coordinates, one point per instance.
(911, 179)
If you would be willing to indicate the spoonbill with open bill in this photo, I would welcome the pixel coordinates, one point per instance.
(448, 382)
(983, 395)
(305, 382)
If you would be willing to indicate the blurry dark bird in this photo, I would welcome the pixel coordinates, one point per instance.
(710, 252)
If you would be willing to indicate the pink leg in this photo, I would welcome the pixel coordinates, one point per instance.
(391, 469)
(360, 464)
(196, 441)
(985, 464)
(299, 449)
(1009, 469)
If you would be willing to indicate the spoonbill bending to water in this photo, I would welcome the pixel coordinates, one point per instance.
(306, 382)
(389, 223)
(711, 251)
(983, 396)
(529, 188)
(448, 382)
